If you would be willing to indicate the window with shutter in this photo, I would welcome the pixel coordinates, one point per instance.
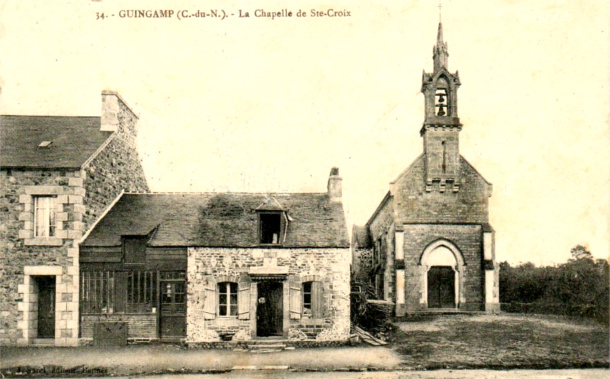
(317, 300)
(312, 299)
(227, 299)
(295, 300)
(209, 305)
(307, 311)
(243, 299)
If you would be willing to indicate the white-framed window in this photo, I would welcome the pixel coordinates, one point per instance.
(227, 299)
(44, 216)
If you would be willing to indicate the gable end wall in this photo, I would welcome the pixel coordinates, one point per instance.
(415, 205)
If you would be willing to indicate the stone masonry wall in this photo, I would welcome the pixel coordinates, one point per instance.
(330, 266)
(362, 264)
(382, 235)
(468, 239)
(116, 168)
(81, 197)
(416, 205)
(18, 248)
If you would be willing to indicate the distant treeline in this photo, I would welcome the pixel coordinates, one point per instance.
(579, 287)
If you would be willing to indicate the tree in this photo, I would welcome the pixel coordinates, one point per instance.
(580, 254)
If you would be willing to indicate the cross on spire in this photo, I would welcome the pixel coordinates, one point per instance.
(440, 8)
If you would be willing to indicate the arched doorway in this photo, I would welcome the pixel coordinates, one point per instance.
(442, 265)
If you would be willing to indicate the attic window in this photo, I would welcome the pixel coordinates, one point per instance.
(270, 227)
(45, 144)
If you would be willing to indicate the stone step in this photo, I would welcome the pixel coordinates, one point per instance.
(261, 351)
(280, 346)
(43, 342)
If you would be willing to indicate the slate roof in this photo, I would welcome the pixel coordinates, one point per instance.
(219, 220)
(360, 237)
(74, 140)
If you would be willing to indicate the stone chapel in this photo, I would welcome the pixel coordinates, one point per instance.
(429, 247)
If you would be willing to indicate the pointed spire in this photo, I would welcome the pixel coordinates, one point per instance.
(441, 52)
(439, 36)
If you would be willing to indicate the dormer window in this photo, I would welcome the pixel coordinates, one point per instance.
(270, 227)
(272, 222)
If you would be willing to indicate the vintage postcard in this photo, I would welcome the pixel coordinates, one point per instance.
(254, 188)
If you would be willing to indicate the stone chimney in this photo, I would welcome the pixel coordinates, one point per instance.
(117, 116)
(334, 185)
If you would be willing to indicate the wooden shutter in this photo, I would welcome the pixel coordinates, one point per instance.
(295, 299)
(243, 298)
(209, 304)
(317, 299)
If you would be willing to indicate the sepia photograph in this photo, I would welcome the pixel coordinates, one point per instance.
(305, 189)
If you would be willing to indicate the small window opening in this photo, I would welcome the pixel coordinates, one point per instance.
(270, 227)
(444, 166)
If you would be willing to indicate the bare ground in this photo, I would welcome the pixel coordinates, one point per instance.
(454, 342)
(501, 341)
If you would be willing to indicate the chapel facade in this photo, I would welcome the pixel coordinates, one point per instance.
(429, 245)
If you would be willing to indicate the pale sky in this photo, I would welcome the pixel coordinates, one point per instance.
(271, 105)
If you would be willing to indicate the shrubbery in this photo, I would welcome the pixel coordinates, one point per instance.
(579, 287)
(365, 311)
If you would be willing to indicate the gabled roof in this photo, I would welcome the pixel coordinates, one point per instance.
(219, 220)
(72, 141)
(270, 204)
(360, 237)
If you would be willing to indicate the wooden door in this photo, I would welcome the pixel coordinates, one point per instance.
(441, 287)
(269, 309)
(46, 306)
(172, 319)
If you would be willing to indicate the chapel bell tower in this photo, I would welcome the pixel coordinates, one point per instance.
(441, 125)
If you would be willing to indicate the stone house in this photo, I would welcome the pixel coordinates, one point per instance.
(429, 245)
(213, 267)
(57, 175)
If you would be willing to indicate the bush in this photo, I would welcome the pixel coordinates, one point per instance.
(578, 288)
(366, 311)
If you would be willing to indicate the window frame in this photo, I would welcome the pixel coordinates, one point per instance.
(231, 309)
(307, 311)
(97, 292)
(281, 226)
(50, 227)
(140, 291)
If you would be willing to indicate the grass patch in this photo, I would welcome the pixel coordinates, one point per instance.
(503, 341)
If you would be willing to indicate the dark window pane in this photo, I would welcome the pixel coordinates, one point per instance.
(270, 226)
